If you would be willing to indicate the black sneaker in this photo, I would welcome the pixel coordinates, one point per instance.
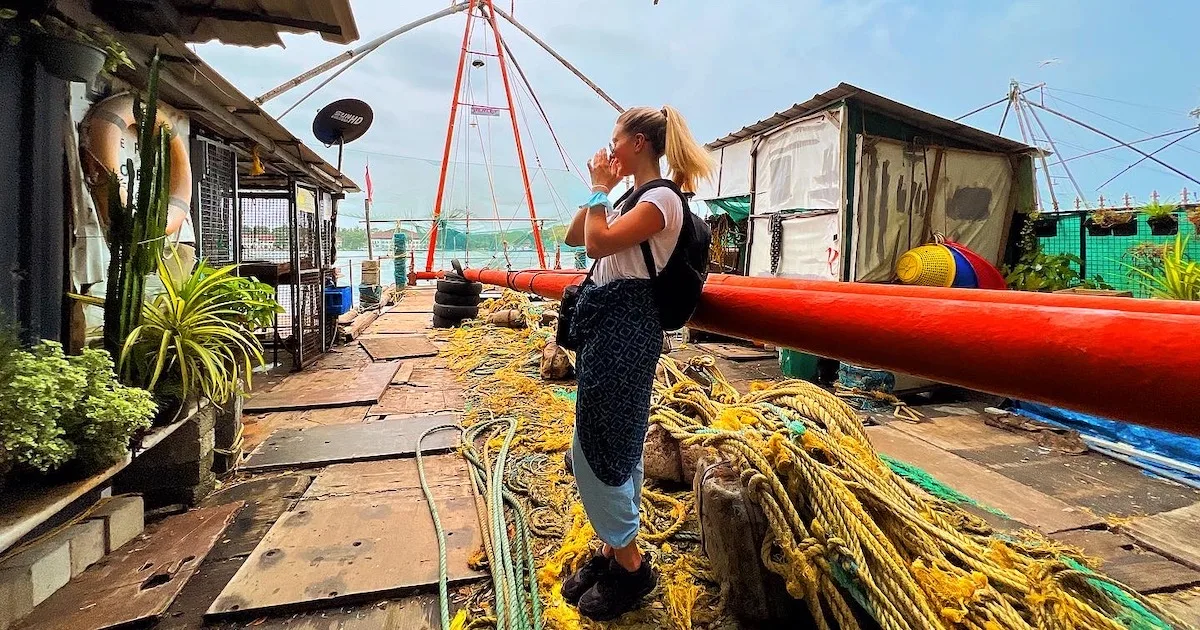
(585, 578)
(618, 591)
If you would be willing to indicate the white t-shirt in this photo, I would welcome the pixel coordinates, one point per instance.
(629, 263)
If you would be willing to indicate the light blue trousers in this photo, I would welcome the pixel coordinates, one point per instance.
(613, 511)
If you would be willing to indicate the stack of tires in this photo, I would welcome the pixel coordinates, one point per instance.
(455, 300)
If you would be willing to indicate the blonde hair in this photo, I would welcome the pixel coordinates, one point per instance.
(667, 132)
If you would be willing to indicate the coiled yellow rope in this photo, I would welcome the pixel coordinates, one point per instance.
(842, 526)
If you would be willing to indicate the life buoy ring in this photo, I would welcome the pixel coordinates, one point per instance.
(105, 125)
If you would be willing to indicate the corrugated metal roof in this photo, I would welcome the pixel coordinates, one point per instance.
(259, 22)
(191, 74)
(900, 111)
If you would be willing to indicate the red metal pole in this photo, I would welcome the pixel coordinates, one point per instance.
(1136, 367)
(512, 114)
(437, 204)
(1029, 298)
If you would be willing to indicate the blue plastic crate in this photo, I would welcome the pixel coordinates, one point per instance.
(338, 300)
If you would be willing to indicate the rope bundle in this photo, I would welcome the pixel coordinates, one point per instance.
(844, 527)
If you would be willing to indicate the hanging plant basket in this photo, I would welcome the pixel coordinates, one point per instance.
(70, 59)
(1166, 225)
(1045, 227)
(1128, 228)
(1095, 229)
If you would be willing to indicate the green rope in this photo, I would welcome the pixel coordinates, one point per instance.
(518, 605)
(443, 570)
(1136, 616)
(928, 483)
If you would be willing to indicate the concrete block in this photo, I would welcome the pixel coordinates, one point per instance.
(88, 544)
(123, 518)
(31, 576)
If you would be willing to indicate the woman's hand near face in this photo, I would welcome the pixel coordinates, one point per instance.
(605, 171)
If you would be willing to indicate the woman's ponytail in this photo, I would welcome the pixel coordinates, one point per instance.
(689, 162)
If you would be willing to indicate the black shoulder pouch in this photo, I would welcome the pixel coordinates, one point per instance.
(564, 336)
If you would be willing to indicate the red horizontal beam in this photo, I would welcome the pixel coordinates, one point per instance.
(1029, 298)
(1133, 366)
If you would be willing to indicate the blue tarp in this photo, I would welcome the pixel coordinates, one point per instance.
(1178, 447)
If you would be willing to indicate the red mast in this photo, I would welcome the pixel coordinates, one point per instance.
(512, 113)
(437, 204)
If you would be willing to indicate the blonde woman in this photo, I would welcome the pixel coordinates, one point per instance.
(619, 335)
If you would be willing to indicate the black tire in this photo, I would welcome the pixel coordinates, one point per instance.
(446, 311)
(459, 287)
(442, 322)
(455, 299)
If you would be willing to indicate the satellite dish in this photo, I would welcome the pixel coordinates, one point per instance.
(342, 121)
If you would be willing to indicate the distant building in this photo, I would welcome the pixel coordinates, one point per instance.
(381, 241)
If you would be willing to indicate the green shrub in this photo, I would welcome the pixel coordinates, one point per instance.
(109, 413)
(54, 408)
(41, 387)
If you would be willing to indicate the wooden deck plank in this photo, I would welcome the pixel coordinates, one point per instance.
(384, 348)
(138, 583)
(401, 323)
(1143, 571)
(257, 427)
(355, 547)
(1018, 501)
(953, 433)
(319, 446)
(447, 474)
(327, 388)
(1105, 486)
(414, 399)
(1175, 534)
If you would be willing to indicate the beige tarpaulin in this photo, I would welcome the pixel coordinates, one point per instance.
(894, 210)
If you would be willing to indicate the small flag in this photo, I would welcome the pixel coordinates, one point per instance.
(370, 196)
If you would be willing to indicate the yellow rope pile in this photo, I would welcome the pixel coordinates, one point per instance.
(844, 527)
(844, 530)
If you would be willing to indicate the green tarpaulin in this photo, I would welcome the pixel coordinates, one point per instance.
(738, 208)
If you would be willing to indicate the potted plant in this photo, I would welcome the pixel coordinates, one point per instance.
(1193, 217)
(1105, 221)
(1178, 278)
(1044, 226)
(65, 51)
(191, 341)
(1161, 218)
(65, 414)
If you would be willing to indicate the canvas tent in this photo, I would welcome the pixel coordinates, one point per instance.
(838, 187)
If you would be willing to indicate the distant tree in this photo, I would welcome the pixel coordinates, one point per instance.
(353, 239)
(283, 239)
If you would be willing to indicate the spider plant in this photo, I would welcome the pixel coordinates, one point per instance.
(1179, 278)
(192, 336)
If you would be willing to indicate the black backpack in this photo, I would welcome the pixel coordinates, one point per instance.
(678, 286)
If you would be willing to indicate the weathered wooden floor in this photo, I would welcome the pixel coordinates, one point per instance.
(1102, 505)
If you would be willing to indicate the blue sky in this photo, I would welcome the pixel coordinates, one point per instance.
(1126, 68)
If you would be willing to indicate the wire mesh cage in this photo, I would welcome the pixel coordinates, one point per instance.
(308, 228)
(282, 242)
(266, 226)
(216, 201)
(1109, 255)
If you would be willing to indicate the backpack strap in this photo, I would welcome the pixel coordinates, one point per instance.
(647, 254)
